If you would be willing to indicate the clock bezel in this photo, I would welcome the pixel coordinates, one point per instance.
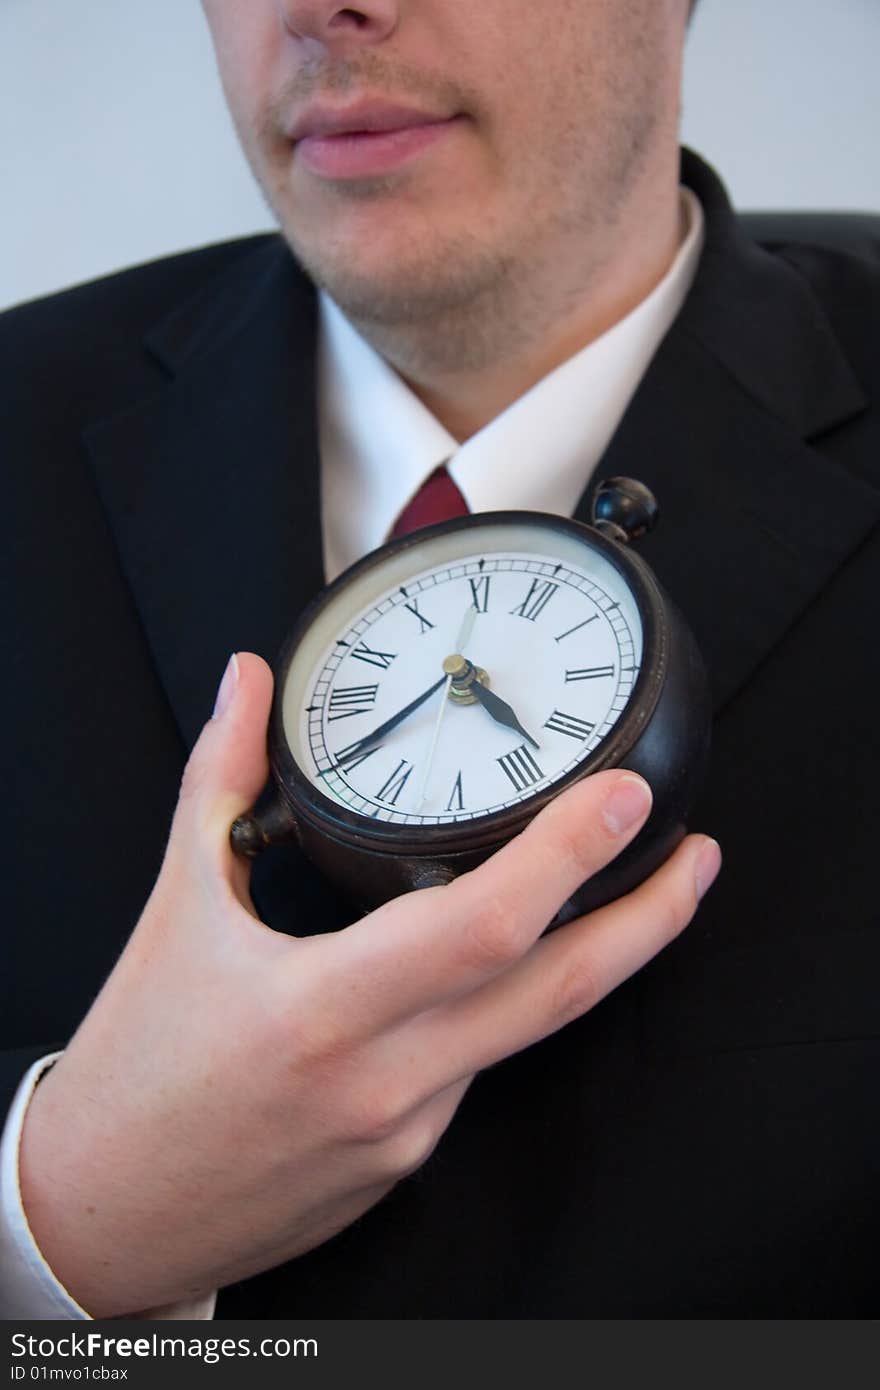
(307, 803)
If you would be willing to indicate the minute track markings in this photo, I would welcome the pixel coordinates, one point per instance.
(489, 584)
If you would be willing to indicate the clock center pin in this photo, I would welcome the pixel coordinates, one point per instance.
(463, 674)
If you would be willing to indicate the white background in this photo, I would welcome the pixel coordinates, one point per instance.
(116, 148)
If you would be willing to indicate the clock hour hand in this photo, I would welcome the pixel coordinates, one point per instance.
(500, 711)
(343, 756)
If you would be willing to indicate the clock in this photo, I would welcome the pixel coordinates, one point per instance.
(442, 690)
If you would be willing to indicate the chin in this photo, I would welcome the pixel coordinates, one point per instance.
(388, 281)
(377, 297)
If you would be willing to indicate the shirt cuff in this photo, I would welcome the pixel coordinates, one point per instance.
(28, 1288)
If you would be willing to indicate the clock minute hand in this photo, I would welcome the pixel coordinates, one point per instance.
(344, 754)
(500, 711)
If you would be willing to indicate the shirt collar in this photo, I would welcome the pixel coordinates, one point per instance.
(379, 442)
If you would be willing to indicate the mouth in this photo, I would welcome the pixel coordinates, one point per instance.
(365, 139)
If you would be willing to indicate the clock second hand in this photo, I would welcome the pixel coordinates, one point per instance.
(423, 795)
(461, 641)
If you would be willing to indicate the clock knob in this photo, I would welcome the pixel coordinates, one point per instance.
(269, 823)
(247, 837)
(623, 509)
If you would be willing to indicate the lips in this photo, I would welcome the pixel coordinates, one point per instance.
(360, 118)
(365, 139)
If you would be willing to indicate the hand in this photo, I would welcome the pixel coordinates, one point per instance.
(461, 641)
(247, 1094)
(500, 711)
(467, 627)
(444, 701)
(345, 754)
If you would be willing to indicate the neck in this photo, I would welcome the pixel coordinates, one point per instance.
(469, 364)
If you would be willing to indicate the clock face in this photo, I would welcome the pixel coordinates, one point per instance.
(546, 623)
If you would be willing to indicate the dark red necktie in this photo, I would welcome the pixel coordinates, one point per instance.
(437, 499)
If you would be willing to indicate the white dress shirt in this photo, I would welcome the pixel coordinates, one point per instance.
(378, 444)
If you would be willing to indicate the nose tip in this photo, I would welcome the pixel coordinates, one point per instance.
(332, 24)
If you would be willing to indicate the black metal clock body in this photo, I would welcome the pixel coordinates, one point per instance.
(399, 761)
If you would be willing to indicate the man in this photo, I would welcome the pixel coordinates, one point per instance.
(490, 195)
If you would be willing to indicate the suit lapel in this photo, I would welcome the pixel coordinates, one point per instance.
(212, 486)
(754, 519)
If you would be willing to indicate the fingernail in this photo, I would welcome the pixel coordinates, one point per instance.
(628, 801)
(227, 688)
(707, 866)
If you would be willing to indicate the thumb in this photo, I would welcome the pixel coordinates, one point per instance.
(228, 766)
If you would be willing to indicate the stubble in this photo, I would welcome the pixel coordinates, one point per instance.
(478, 290)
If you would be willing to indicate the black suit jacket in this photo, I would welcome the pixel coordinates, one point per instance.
(706, 1141)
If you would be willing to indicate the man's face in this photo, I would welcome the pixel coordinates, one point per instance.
(419, 153)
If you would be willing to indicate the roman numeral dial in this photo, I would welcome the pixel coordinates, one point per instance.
(469, 687)
(445, 688)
